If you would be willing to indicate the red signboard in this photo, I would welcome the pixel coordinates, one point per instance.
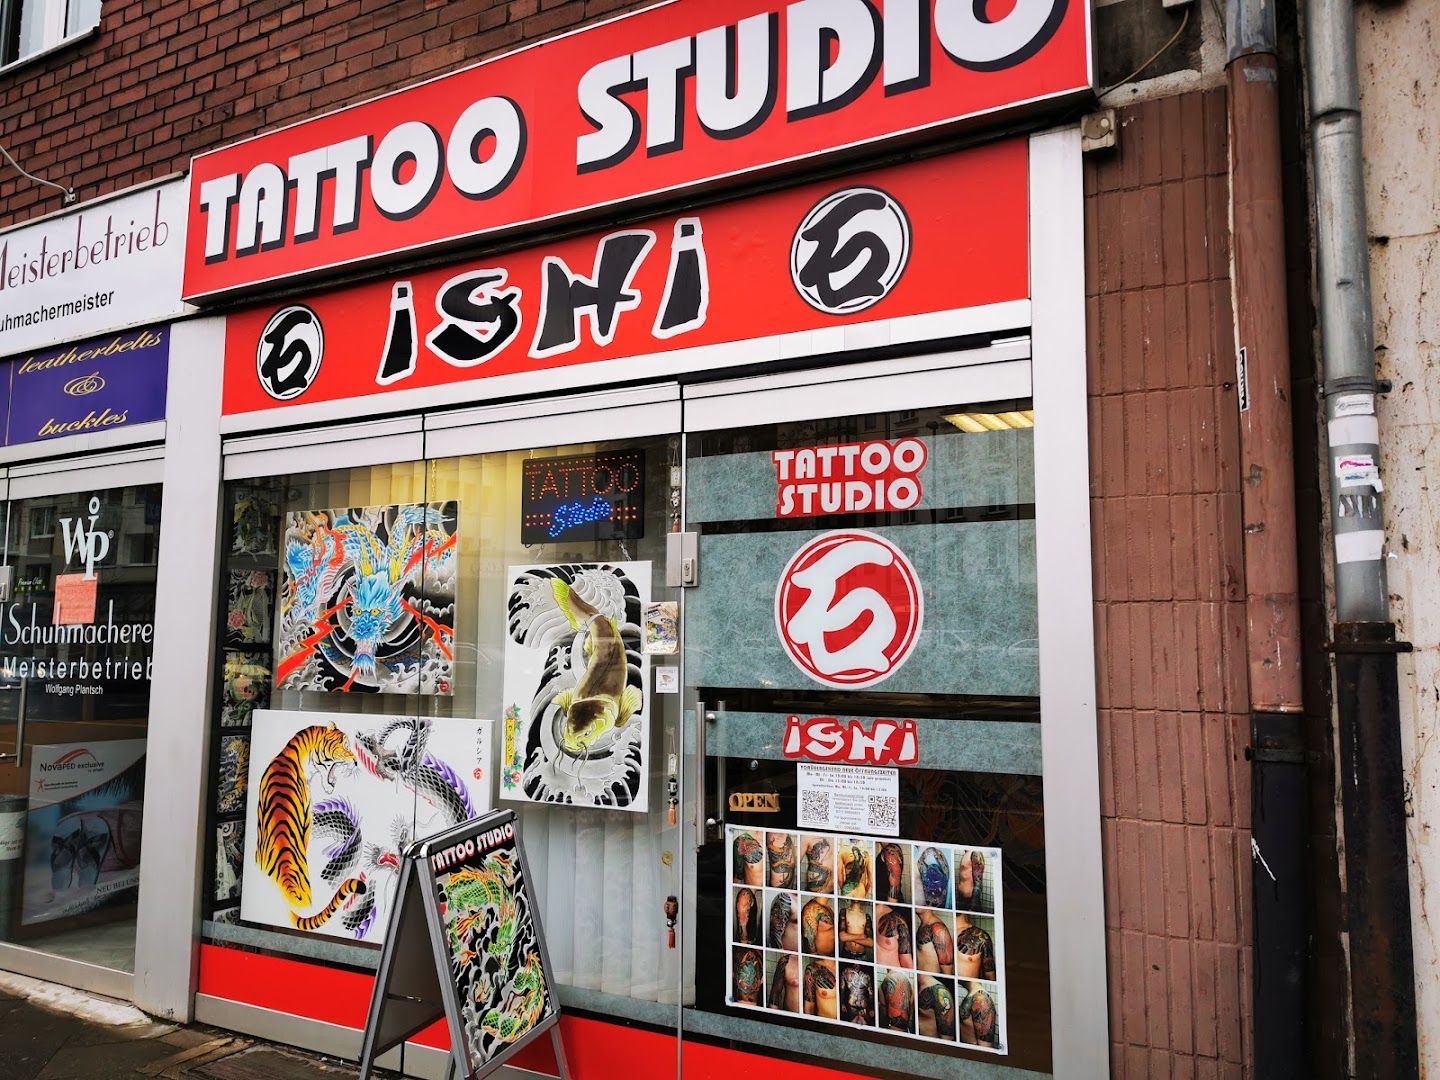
(668, 98)
(938, 235)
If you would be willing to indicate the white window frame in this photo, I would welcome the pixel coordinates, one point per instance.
(55, 14)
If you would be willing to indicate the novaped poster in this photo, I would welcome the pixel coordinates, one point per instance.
(82, 836)
(576, 686)
(497, 962)
(332, 803)
(367, 599)
(903, 937)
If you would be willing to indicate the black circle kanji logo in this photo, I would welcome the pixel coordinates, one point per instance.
(289, 354)
(850, 250)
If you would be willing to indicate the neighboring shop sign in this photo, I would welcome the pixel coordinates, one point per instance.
(583, 497)
(903, 936)
(849, 608)
(725, 274)
(103, 266)
(86, 545)
(99, 385)
(663, 99)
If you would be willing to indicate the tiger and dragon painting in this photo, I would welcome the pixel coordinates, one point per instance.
(367, 600)
(333, 801)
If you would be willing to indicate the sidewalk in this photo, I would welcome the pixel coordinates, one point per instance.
(49, 1032)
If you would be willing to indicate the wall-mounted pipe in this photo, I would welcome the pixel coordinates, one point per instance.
(1272, 599)
(1382, 972)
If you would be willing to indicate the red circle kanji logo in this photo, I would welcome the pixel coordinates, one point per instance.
(848, 609)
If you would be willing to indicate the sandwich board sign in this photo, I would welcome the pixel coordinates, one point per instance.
(464, 943)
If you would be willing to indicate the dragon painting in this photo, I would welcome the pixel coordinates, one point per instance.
(368, 599)
(494, 954)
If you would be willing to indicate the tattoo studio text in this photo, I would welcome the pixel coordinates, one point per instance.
(870, 477)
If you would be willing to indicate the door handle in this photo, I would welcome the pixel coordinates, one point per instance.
(702, 717)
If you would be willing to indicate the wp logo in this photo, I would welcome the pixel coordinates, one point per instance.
(85, 544)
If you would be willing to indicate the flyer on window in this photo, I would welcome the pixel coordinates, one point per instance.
(82, 835)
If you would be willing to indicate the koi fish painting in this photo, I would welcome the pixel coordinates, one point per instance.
(576, 681)
(367, 600)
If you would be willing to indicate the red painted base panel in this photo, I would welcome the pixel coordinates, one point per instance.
(594, 1048)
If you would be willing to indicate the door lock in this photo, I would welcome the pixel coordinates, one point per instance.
(682, 560)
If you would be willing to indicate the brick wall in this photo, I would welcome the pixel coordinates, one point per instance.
(164, 80)
(1169, 594)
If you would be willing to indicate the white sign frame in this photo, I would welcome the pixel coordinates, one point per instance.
(126, 288)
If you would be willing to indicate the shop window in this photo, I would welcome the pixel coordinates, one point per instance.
(430, 712)
(75, 677)
(887, 919)
(28, 27)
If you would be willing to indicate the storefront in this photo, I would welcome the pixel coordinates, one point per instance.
(741, 543)
(83, 309)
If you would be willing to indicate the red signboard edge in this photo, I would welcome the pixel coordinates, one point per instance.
(326, 272)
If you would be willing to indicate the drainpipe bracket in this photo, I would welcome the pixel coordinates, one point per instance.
(1360, 638)
(1355, 648)
(1279, 757)
(1098, 131)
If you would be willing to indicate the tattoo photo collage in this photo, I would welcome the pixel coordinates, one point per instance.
(899, 936)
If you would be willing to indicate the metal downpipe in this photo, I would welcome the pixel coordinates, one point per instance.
(1382, 972)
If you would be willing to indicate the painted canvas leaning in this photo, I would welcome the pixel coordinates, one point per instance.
(367, 599)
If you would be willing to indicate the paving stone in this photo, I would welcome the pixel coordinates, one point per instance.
(185, 1038)
(38, 1044)
(267, 1063)
(102, 1062)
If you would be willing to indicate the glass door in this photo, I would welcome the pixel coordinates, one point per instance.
(862, 681)
(75, 676)
(527, 660)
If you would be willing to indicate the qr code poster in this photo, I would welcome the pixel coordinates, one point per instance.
(895, 936)
(848, 798)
